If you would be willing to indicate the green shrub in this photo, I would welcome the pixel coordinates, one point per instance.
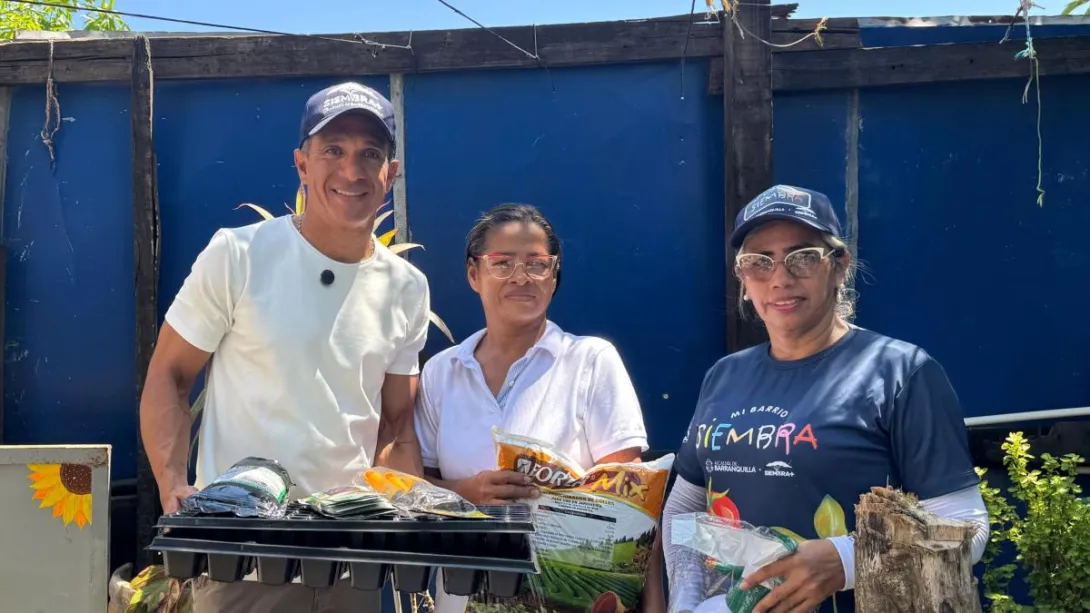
(1051, 537)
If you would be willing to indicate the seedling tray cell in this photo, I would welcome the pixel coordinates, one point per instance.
(411, 578)
(504, 584)
(462, 581)
(184, 564)
(229, 568)
(276, 571)
(320, 573)
(368, 575)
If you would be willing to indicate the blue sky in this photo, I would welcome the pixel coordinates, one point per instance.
(336, 16)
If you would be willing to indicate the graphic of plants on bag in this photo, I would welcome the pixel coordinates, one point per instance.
(794, 536)
(829, 519)
(721, 505)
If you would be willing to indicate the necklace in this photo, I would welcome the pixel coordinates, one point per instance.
(297, 221)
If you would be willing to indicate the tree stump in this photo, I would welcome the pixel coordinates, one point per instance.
(910, 560)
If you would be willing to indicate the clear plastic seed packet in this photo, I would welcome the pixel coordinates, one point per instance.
(417, 496)
(723, 551)
(345, 502)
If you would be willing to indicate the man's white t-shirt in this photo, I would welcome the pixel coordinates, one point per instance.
(570, 391)
(297, 368)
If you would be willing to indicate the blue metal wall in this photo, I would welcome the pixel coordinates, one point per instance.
(69, 352)
(630, 174)
(627, 161)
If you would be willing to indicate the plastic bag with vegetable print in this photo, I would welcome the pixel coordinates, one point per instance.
(728, 550)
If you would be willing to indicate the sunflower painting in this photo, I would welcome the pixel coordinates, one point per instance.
(64, 487)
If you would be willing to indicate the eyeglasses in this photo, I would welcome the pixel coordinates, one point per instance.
(537, 267)
(801, 263)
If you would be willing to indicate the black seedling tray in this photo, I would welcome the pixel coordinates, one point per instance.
(322, 567)
(473, 554)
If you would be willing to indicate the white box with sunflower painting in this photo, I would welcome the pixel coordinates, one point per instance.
(54, 527)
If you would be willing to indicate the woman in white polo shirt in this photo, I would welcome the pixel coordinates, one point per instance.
(525, 375)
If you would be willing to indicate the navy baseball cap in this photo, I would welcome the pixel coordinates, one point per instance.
(328, 104)
(788, 203)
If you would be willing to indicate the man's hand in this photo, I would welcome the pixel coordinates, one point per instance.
(810, 575)
(496, 487)
(172, 499)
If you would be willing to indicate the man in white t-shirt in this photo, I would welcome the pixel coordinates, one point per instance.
(313, 329)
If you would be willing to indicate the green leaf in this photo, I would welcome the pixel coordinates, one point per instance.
(1074, 5)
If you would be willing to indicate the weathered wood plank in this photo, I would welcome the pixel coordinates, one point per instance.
(851, 176)
(860, 68)
(904, 554)
(145, 200)
(5, 122)
(239, 56)
(747, 140)
(228, 56)
(401, 210)
(839, 34)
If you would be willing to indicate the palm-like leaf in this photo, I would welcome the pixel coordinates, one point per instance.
(398, 248)
(382, 218)
(388, 237)
(260, 211)
(1074, 5)
(439, 323)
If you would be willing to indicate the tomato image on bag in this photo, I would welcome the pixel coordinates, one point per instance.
(595, 528)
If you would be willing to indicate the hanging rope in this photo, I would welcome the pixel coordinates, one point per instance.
(52, 112)
(731, 8)
(1030, 53)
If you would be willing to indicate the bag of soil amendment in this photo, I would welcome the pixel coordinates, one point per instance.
(252, 487)
(724, 551)
(595, 528)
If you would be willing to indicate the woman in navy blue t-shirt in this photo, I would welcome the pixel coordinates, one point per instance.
(790, 433)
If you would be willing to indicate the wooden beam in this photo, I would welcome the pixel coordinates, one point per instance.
(401, 211)
(145, 200)
(838, 34)
(247, 56)
(851, 177)
(747, 139)
(5, 123)
(860, 68)
(235, 56)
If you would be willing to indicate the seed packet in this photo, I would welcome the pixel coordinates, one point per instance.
(417, 496)
(595, 528)
(252, 487)
(345, 502)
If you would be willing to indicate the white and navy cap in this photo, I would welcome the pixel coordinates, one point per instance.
(788, 203)
(328, 104)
